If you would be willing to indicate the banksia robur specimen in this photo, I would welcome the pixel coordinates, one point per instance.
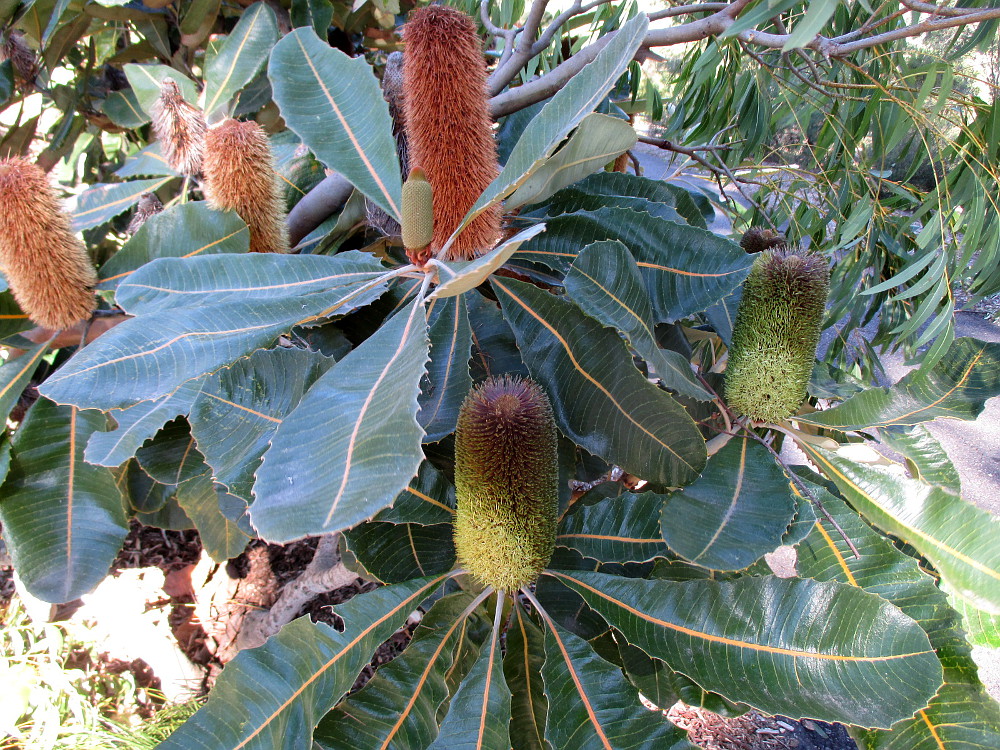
(506, 483)
(776, 333)
(46, 265)
(240, 176)
(757, 240)
(448, 125)
(418, 215)
(180, 128)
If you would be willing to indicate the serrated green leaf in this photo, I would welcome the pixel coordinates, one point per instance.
(393, 553)
(448, 380)
(182, 231)
(961, 714)
(262, 299)
(428, 499)
(147, 162)
(15, 375)
(957, 386)
(851, 656)
(478, 716)
(63, 519)
(522, 666)
(172, 456)
(685, 269)
(599, 399)
(138, 424)
(239, 408)
(959, 538)
(315, 13)
(591, 705)
(563, 112)
(982, 628)
(102, 202)
(398, 708)
(12, 318)
(335, 105)
(597, 140)
(494, 348)
(605, 282)
(241, 56)
(734, 513)
(925, 457)
(124, 109)
(273, 696)
(353, 442)
(615, 529)
(222, 538)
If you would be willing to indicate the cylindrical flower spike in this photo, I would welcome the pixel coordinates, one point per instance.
(776, 333)
(506, 483)
(46, 264)
(240, 176)
(180, 128)
(757, 240)
(448, 125)
(418, 213)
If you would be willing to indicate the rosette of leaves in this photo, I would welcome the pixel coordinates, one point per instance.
(283, 396)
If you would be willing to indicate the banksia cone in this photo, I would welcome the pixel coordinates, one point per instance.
(22, 59)
(448, 125)
(180, 128)
(149, 206)
(418, 213)
(240, 176)
(776, 334)
(392, 91)
(506, 483)
(756, 240)
(46, 264)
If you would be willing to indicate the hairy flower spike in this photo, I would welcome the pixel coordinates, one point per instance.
(448, 124)
(506, 483)
(418, 215)
(148, 207)
(180, 128)
(240, 176)
(46, 265)
(776, 334)
(22, 58)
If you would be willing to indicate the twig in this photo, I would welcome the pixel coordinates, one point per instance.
(324, 573)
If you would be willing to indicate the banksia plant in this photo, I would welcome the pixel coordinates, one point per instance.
(448, 125)
(240, 176)
(506, 483)
(46, 265)
(776, 333)
(757, 240)
(180, 128)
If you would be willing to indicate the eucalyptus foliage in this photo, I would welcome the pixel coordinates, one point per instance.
(285, 396)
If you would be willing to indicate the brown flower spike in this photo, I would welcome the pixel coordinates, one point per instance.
(46, 265)
(448, 125)
(240, 176)
(180, 128)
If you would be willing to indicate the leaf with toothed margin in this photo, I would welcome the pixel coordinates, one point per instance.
(63, 519)
(139, 423)
(962, 714)
(448, 380)
(592, 705)
(852, 656)
(353, 442)
(239, 408)
(273, 696)
(196, 315)
(600, 401)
